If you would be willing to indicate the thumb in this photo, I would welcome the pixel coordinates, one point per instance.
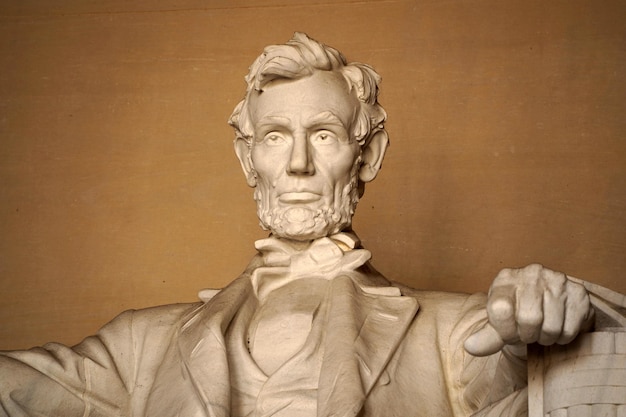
(484, 342)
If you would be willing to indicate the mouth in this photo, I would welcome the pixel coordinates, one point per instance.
(298, 197)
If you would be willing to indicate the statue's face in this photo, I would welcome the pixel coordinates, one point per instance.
(306, 163)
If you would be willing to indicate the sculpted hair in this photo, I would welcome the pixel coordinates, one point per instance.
(299, 58)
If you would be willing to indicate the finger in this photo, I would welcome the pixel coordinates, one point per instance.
(501, 311)
(554, 298)
(484, 342)
(529, 311)
(553, 317)
(577, 312)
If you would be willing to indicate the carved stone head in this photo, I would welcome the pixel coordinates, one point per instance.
(309, 135)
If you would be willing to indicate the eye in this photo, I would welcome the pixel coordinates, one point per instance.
(274, 139)
(324, 137)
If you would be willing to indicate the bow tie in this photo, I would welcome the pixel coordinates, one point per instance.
(324, 258)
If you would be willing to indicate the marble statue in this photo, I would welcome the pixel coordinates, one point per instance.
(310, 328)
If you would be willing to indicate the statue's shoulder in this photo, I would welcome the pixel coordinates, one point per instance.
(166, 310)
(152, 325)
(166, 315)
(445, 318)
(155, 317)
(443, 307)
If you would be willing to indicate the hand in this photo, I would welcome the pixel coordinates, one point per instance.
(531, 304)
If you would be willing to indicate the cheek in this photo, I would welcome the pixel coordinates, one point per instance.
(268, 165)
(340, 162)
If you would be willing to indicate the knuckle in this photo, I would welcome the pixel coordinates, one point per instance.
(529, 275)
(530, 318)
(556, 284)
(505, 271)
(504, 275)
(558, 279)
(576, 291)
(533, 269)
(500, 309)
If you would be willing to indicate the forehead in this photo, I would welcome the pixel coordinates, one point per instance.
(323, 95)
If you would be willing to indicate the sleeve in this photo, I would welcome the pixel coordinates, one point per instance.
(89, 379)
(497, 381)
(103, 376)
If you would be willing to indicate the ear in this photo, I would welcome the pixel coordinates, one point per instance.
(242, 149)
(372, 156)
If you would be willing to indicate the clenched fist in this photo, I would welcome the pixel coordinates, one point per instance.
(531, 304)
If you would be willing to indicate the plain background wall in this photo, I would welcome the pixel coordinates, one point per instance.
(119, 187)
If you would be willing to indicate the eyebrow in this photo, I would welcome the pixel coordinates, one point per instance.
(321, 119)
(326, 118)
(269, 121)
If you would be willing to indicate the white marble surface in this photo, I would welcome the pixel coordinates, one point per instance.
(310, 328)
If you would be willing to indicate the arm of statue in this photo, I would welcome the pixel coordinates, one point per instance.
(57, 380)
(528, 305)
(108, 374)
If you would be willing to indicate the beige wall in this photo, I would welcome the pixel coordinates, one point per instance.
(119, 188)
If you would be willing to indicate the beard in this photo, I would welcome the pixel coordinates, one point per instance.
(303, 223)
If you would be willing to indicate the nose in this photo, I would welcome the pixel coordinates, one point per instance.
(300, 162)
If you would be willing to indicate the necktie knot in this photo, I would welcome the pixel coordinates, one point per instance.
(324, 258)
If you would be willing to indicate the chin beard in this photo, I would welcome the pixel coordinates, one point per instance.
(303, 223)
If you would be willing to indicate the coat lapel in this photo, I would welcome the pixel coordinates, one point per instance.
(202, 347)
(365, 327)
